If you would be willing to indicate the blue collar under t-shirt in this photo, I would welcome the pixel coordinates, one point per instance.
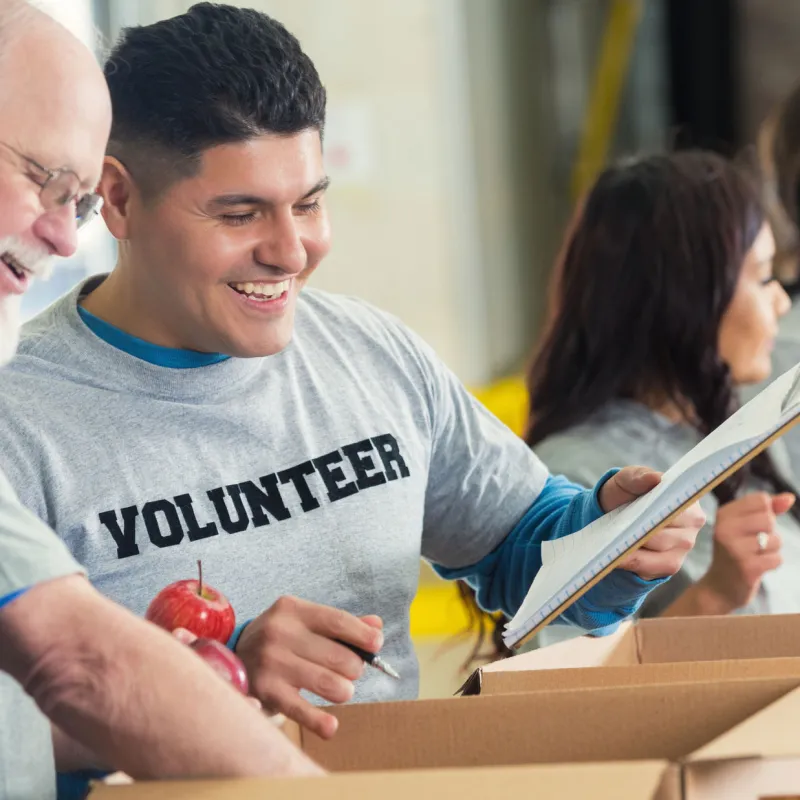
(146, 351)
(75, 785)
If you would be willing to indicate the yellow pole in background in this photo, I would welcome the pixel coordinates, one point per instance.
(616, 48)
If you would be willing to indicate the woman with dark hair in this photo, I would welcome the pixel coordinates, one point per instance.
(664, 303)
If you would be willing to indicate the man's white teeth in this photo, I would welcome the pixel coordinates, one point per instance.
(18, 269)
(268, 290)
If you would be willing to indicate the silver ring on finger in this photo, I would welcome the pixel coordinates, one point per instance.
(762, 539)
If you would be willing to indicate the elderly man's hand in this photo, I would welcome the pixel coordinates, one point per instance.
(662, 555)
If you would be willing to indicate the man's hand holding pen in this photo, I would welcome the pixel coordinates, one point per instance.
(292, 646)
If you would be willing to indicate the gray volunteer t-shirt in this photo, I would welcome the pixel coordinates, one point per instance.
(29, 554)
(626, 432)
(324, 471)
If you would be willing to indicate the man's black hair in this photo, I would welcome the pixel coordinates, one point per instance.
(214, 75)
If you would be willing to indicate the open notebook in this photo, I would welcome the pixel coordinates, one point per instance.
(573, 564)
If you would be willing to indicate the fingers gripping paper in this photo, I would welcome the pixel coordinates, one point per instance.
(573, 564)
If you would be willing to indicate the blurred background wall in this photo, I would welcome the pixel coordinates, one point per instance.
(460, 134)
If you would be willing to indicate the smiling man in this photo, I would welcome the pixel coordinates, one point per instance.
(121, 691)
(200, 401)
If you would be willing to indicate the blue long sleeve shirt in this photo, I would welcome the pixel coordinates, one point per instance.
(502, 579)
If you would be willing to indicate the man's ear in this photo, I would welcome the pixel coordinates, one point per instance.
(117, 188)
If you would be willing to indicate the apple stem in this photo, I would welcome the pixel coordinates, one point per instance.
(200, 570)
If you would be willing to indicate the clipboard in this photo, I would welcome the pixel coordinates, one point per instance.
(778, 404)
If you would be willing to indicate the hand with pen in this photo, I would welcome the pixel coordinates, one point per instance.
(293, 645)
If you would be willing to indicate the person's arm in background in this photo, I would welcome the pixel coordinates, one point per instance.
(502, 578)
(738, 563)
(128, 692)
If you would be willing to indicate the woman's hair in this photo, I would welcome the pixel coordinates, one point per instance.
(647, 272)
(648, 268)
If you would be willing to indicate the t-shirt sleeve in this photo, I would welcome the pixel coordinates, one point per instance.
(482, 477)
(30, 552)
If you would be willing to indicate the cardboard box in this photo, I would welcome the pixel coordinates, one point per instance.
(689, 646)
(734, 739)
(727, 739)
(656, 721)
(709, 740)
(640, 781)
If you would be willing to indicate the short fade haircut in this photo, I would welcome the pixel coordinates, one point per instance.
(214, 75)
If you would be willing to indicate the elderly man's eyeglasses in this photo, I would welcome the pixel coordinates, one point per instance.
(59, 187)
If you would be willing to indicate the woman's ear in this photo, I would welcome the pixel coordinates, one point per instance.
(116, 188)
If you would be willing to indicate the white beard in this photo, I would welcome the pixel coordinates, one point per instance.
(37, 260)
(10, 320)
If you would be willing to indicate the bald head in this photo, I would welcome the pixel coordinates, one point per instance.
(57, 114)
(54, 59)
(14, 15)
(13, 11)
(56, 107)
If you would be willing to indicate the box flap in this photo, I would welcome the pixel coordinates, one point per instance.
(743, 779)
(586, 677)
(715, 638)
(666, 640)
(770, 732)
(619, 649)
(581, 725)
(642, 781)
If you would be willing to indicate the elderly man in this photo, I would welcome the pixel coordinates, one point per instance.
(122, 688)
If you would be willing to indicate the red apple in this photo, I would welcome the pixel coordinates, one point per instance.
(223, 661)
(196, 606)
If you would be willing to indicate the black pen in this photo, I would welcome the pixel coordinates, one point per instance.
(372, 659)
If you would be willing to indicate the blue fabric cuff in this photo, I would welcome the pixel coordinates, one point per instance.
(237, 632)
(583, 509)
(4, 601)
(503, 577)
(75, 785)
(620, 589)
(598, 509)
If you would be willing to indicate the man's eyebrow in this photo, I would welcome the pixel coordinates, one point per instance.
(320, 186)
(231, 200)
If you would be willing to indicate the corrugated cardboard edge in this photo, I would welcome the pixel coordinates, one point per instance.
(643, 780)
(493, 683)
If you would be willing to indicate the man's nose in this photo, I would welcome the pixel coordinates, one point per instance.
(57, 230)
(282, 246)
